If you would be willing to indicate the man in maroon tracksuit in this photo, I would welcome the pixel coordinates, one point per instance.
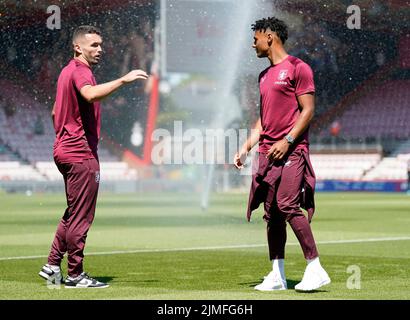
(284, 179)
(76, 116)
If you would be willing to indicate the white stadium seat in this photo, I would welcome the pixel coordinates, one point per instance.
(359, 167)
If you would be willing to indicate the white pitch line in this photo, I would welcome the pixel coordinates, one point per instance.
(242, 246)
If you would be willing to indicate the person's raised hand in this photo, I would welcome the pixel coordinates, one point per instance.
(135, 75)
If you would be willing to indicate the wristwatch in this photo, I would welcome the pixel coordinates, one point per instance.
(289, 139)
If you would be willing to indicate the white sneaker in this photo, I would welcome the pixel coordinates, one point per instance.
(84, 281)
(272, 282)
(51, 274)
(313, 278)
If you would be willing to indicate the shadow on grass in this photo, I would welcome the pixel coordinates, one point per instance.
(150, 281)
(291, 286)
(291, 283)
(310, 292)
(104, 279)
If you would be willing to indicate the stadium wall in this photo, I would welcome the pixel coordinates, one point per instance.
(161, 185)
(367, 186)
(118, 187)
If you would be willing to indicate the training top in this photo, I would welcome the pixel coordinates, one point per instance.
(279, 86)
(77, 122)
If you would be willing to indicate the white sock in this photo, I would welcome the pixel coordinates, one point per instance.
(54, 268)
(313, 262)
(278, 266)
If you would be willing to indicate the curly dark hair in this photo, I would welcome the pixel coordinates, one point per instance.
(273, 24)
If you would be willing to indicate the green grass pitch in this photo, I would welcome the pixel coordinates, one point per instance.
(162, 246)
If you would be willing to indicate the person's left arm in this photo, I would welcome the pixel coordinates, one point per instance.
(307, 105)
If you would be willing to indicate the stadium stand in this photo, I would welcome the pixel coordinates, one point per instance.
(402, 148)
(28, 131)
(384, 112)
(27, 137)
(6, 154)
(389, 168)
(110, 171)
(14, 170)
(28, 87)
(343, 166)
(338, 60)
(360, 167)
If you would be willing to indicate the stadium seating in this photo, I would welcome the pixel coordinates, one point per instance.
(29, 131)
(343, 166)
(390, 168)
(47, 171)
(14, 170)
(403, 148)
(360, 167)
(27, 137)
(117, 171)
(384, 112)
(110, 171)
(6, 154)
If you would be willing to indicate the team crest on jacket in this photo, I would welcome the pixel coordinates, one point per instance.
(97, 176)
(282, 74)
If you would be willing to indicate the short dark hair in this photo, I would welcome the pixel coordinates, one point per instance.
(82, 30)
(273, 24)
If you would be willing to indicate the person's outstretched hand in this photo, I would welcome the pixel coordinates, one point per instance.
(135, 75)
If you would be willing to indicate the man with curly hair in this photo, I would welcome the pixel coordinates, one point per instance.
(284, 179)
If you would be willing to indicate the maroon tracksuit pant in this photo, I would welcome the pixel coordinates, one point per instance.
(81, 186)
(282, 205)
(279, 186)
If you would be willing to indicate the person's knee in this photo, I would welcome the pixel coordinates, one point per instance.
(76, 239)
(289, 210)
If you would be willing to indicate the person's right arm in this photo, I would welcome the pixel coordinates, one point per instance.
(240, 156)
(100, 91)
